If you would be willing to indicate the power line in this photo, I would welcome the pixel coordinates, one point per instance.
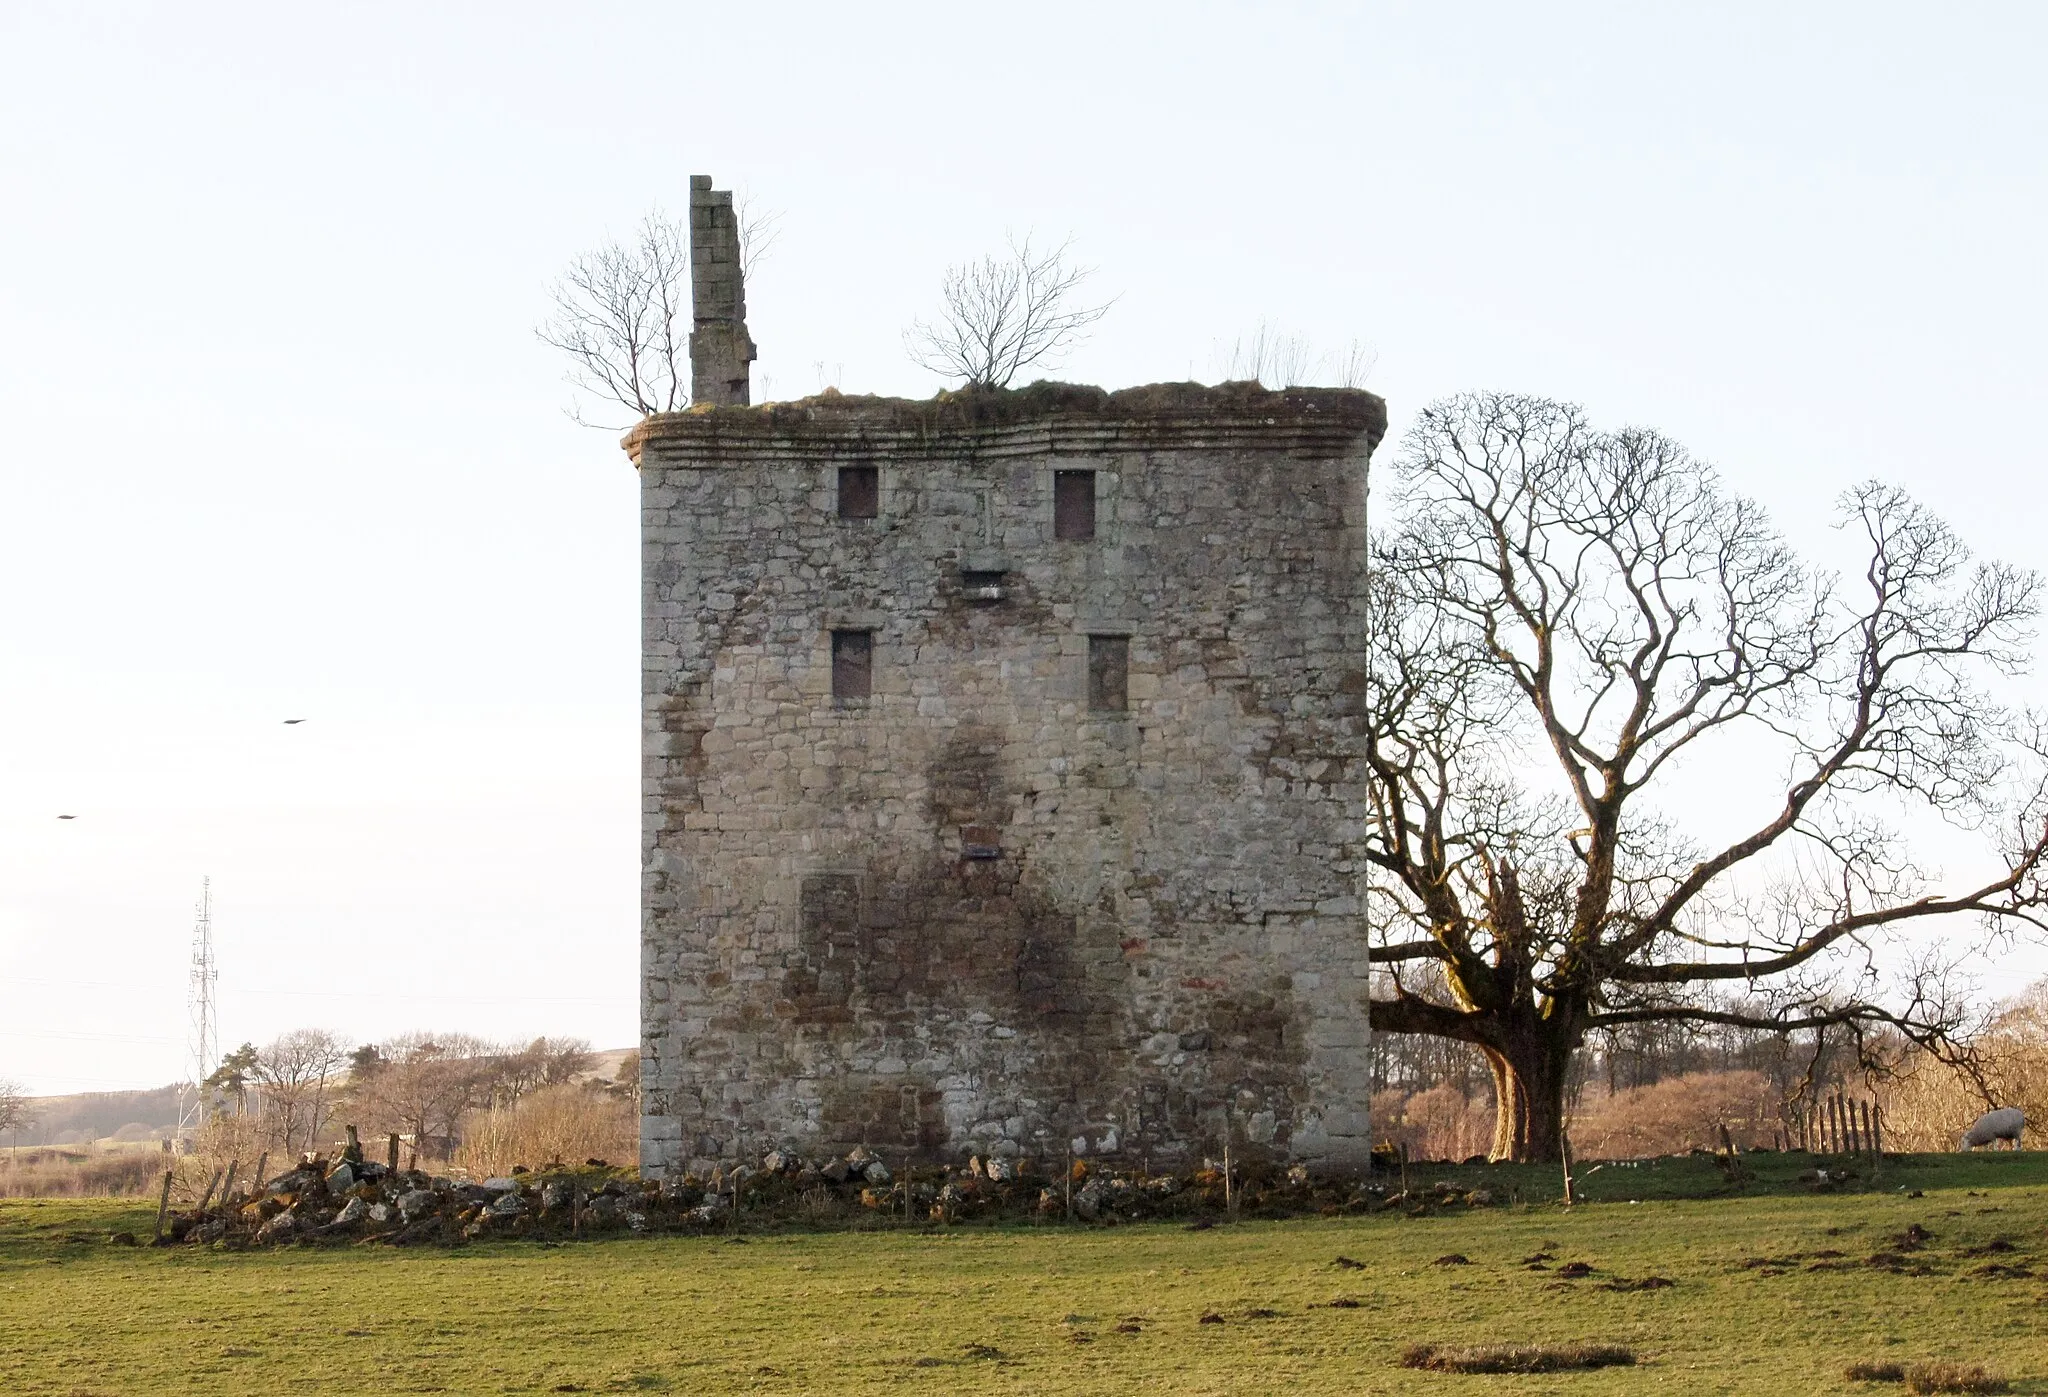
(346, 994)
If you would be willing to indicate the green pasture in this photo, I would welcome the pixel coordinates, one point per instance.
(1057, 1309)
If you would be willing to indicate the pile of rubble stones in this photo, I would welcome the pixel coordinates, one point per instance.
(351, 1199)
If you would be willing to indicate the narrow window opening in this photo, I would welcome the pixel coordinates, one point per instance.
(1109, 673)
(1073, 504)
(853, 666)
(860, 492)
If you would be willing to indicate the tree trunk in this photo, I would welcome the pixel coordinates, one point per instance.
(1529, 1066)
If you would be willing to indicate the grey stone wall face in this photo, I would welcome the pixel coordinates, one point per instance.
(970, 913)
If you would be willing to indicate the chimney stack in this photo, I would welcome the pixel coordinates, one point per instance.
(720, 350)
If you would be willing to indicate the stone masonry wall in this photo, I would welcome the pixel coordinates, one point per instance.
(971, 914)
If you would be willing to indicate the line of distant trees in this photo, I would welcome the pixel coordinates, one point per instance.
(293, 1094)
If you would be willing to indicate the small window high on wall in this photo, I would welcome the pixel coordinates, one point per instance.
(853, 666)
(1109, 673)
(860, 492)
(1073, 504)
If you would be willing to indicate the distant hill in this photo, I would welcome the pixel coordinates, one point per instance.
(94, 1115)
(141, 1115)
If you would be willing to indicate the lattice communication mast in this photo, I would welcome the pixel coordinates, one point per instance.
(204, 1040)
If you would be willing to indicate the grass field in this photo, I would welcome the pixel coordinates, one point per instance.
(1083, 1310)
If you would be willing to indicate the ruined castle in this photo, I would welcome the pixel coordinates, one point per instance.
(1000, 787)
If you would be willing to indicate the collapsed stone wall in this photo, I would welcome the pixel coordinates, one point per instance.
(1078, 869)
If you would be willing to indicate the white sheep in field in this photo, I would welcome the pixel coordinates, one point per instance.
(2004, 1124)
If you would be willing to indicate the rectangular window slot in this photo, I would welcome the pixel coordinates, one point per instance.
(1109, 673)
(860, 492)
(853, 666)
(1073, 504)
(981, 586)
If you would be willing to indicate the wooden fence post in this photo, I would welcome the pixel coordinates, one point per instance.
(391, 1153)
(1564, 1154)
(163, 1205)
(1877, 1131)
(1855, 1139)
(257, 1181)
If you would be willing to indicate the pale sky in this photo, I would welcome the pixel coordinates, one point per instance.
(277, 440)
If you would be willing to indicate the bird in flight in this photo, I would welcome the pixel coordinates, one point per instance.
(289, 721)
(67, 817)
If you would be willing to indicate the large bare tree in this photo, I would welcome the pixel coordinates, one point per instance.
(420, 1084)
(1562, 615)
(295, 1076)
(1002, 315)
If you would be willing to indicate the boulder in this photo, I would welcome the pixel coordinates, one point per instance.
(501, 1185)
(342, 1179)
(876, 1173)
(278, 1229)
(838, 1171)
(352, 1212)
(415, 1203)
(1001, 1169)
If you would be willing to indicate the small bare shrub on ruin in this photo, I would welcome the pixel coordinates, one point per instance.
(1277, 358)
(1002, 315)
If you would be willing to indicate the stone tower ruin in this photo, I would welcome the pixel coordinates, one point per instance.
(1000, 787)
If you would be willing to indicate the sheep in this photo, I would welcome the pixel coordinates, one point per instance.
(2003, 1124)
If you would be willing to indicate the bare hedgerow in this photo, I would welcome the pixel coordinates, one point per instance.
(567, 1123)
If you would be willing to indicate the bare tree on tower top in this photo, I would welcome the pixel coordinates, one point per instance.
(1563, 615)
(622, 313)
(1002, 315)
